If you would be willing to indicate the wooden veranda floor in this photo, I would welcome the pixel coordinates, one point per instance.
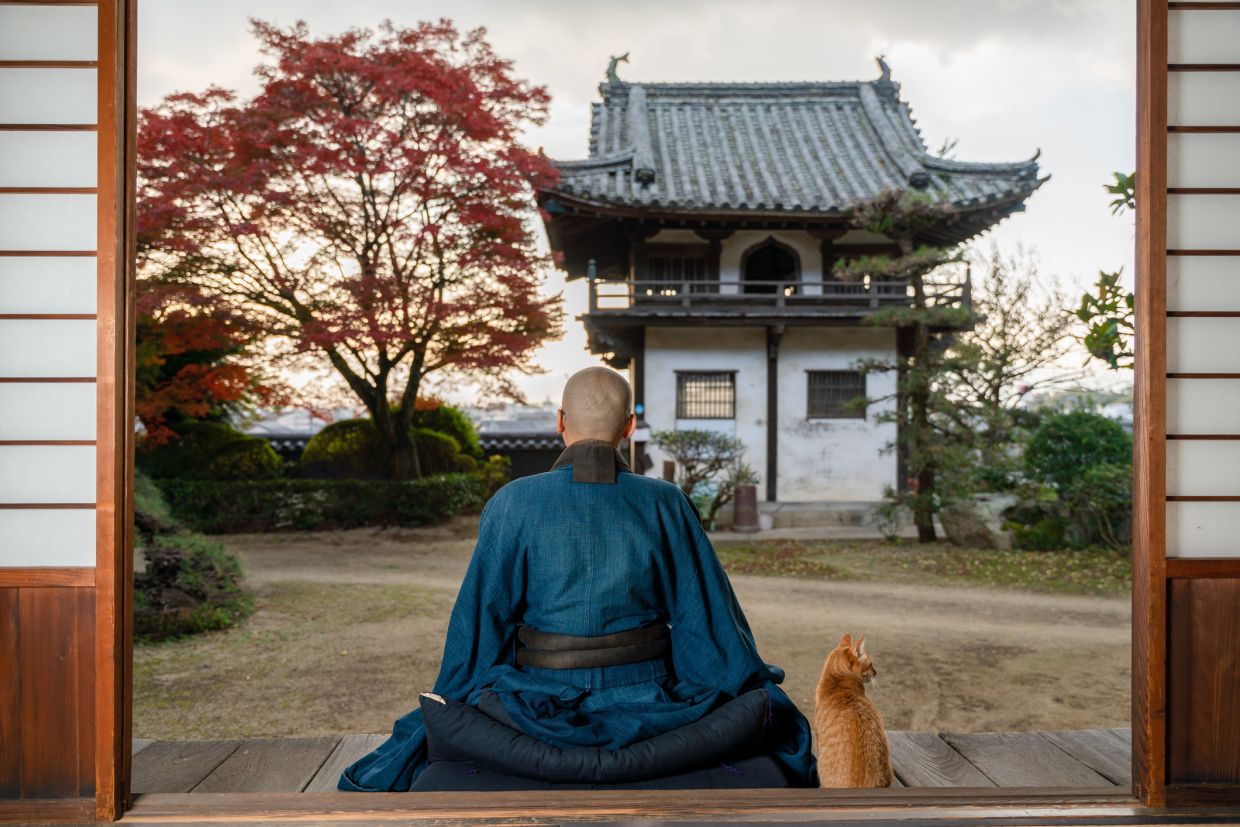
(1092, 758)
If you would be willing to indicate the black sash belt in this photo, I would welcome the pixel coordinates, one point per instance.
(547, 650)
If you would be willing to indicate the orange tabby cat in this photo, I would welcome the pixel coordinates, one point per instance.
(852, 744)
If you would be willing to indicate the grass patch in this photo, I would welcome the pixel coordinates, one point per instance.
(1094, 572)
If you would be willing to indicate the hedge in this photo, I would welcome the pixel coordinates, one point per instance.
(210, 451)
(350, 449)
(313, 505)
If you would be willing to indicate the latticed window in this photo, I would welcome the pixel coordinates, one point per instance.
(676, 268)
(835, 394)
(705, 395)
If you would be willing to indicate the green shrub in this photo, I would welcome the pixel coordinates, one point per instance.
(313, 505)
(191, 584)
(210, 451)
(1066, 444)
(350, 450)
(343, 450)
(451, 421)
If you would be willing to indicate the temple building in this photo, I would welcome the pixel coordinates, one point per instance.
(708, 219)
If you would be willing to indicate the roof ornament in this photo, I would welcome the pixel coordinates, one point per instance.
(884, 68)
(612, 78)
(885, 84)
(639, 137)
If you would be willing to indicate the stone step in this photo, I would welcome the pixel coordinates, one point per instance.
(820, 515)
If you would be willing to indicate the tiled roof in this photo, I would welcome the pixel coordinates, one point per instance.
(771, 147)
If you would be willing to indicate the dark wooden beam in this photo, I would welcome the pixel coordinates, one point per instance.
(773, 334)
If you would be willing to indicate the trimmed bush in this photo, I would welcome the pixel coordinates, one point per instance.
(451, 421)
(211, 451)
(313, 505)
(350, 450)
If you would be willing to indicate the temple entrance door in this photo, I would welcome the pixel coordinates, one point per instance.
(766, 265)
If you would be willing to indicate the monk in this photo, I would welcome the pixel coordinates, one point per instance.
(592, 550)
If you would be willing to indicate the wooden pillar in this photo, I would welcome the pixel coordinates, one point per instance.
(773, 334)
(1186, 563)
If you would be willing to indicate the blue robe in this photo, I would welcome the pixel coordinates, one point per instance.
(585, 558)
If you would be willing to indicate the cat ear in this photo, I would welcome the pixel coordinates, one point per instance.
(860, 647)
(846, 641)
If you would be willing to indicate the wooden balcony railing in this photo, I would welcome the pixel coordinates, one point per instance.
(628, 296)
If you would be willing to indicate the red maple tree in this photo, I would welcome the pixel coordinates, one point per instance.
(371, 203)
(193, 360)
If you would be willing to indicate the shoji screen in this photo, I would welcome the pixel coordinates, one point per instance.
(63, 327)
(1187, 585)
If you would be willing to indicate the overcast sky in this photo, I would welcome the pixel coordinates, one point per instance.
(1002, 77)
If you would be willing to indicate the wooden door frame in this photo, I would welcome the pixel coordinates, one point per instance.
(114, 575)
(117, 128)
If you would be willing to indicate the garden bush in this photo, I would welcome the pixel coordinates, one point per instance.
(1081, 464)
(350, 450)
(1066, 444)
(188, 584)
(451, 421)
(210, 451)
(312, 505)
(191, 584)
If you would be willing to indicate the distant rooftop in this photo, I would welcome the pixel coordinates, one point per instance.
(800, 148)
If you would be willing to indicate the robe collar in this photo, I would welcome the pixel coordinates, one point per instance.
(593, 460)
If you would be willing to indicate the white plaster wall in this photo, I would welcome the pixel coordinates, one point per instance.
(741, 349)
(820, 460)
(834, 459)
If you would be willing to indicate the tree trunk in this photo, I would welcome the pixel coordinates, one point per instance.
(919, 415)
(396, 448)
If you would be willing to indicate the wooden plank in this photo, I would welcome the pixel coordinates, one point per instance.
(10, 696)
(1022, 759)
(1103, 751)
(1203, 713)
(1123, 733)
(178, 766)
(48, 652)
(1202, 567)
(350, 748)
(1149, 516)
(269, 766)
(923, 759)
(914, 806)
(34, 577)
(140, 744)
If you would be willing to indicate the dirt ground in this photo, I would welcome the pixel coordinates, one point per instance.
(349, 627)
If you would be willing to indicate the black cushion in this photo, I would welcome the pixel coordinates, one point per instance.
(457, 732)
(462, 776)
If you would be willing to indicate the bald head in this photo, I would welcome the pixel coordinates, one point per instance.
(597, 404)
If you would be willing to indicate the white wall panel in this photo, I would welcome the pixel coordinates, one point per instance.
(47, 159)
(47, 222)
(1203, 222)
(1203, 406)
(47, 473)
(1203, 529)
(1203, 468)
(47, 410)
(1203, 159)
(47, 347)
(1203, 283)
(47, 537)
(1196, 345)
(29, 32)
(1203, 98)
(1211, 37)
(48, 96)
(47, 284)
